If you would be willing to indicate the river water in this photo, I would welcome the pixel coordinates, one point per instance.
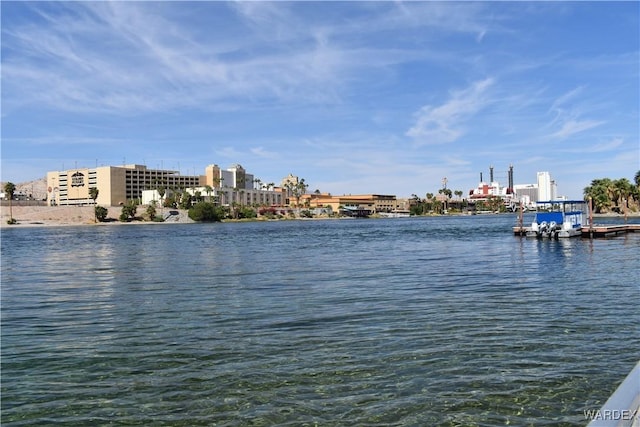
(449, 321)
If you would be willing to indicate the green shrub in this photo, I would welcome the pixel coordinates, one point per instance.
(101, 213)
(247, 212)
(151, 211)
(129, 211)
(206, 212)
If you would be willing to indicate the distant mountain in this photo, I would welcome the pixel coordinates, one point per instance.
(36, 189)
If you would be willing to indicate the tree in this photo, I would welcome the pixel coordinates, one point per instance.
(162, 190)
(600, 193)
(101, 213)
(9, 190)
(129, 211)
(297, 190)
(93, 193)
(151, 211)
(206, 212)
(623, 190)
(185, 200)
(208, 190)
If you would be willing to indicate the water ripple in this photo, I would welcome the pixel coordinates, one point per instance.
(430, 321)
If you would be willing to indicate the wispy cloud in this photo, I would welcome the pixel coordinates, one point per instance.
(567, 115)
(605, 146)
(571, 127)
(264, 154)
(445, 123)
(323, 90)
(154, 61)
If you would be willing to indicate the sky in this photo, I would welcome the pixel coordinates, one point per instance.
(355, 97)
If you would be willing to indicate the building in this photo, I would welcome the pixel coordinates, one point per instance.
(546, 187)
(118, 185)
(527, 194)
(373, 203)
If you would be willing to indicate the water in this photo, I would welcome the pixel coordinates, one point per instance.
(397, 322)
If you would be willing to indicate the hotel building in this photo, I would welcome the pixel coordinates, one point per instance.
(118, 185)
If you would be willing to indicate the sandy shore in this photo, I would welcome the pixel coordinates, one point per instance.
(41, 216)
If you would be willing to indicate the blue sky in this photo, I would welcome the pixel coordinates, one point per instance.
(354, 97)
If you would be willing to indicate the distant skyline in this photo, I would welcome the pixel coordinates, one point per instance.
(354, 97)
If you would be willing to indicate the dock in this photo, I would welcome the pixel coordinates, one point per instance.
(593, 231)
(609, 230)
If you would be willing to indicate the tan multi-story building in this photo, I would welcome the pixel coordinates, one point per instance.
(116, 184)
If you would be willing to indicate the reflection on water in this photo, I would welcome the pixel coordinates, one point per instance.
(427, 321)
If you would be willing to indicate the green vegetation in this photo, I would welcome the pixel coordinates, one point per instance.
(101, 213)
(246, 212)
(129, 211)
(296, 190)
(207, 212)
(619, 195)
(9, 190)
(152, 213)
(93, 193)
(493, 204)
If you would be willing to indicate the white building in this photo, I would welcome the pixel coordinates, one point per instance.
(231, 186)
(546, 187)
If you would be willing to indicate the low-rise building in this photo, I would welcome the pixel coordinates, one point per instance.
(372, 202)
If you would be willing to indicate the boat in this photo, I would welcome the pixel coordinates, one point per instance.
(395, 214)
(555, 219)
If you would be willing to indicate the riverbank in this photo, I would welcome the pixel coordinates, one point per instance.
(57, 216)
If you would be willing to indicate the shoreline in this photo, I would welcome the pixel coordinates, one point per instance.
(65, 216)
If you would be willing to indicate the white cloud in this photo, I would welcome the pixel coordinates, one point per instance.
(445, 123)
(572, 127)
(605, 146)
(568, 109)
(265, 154)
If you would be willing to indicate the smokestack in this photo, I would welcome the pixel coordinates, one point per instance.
(511, 178)
(490, 174)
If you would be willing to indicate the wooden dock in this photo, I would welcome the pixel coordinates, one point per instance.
(609, 230)
(594, 231)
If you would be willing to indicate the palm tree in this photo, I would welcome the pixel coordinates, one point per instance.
(208, 189)
(600, 193)
(299, 189)
(93, 193)
(624, 189)
(9, 190)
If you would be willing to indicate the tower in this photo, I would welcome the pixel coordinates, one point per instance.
(510, 185)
